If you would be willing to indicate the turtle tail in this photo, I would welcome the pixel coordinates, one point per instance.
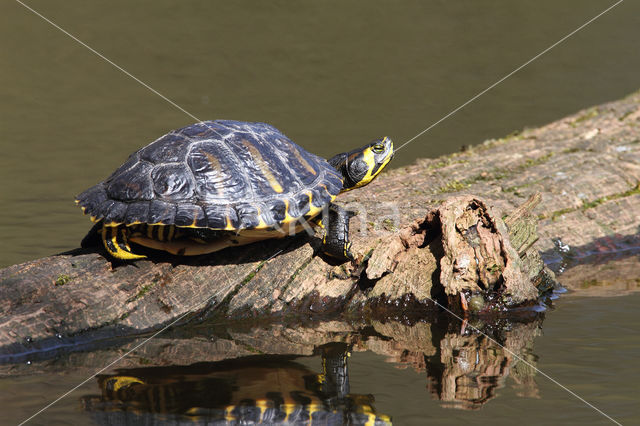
(115, 240)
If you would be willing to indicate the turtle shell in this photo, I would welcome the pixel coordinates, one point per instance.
(215, 174)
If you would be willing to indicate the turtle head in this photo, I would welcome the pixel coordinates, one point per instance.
(361, 166)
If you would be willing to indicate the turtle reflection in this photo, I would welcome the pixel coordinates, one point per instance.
(260, 389)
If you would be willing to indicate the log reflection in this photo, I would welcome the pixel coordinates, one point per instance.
(469, 367)
(464, 363)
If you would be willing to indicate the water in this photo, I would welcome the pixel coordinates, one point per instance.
(331, 75)
(412, 374)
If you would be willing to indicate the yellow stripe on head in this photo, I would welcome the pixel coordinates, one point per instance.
(369, 159)
(372, 157)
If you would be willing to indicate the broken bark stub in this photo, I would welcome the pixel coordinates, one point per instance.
(463, 246)
(478, 255)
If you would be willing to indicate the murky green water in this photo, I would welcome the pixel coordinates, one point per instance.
(330, 75)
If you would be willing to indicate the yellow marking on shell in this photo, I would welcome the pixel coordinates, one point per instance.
(172, 230)
(263, 166)
(156, 224)
(215, 164)
(333, 197)
(313, 210)
(304, 162)
(287, 217)
(150, 231)
(261, 222)
(193, 224)
(94, 219)
(229, 226)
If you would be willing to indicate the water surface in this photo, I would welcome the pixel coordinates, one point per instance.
(332, 75)
(412, 374)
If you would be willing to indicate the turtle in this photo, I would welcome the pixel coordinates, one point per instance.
(223, 183)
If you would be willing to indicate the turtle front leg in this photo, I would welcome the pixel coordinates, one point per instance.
(116, 241)
(336, 233)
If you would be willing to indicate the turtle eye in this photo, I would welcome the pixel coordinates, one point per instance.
(378, 148)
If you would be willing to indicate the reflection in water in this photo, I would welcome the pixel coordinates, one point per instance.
(469, 368)
(263, 389)
(464, 369)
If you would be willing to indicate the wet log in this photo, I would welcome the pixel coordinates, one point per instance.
(418, 233)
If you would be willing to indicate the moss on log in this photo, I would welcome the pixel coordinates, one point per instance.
(586, 168)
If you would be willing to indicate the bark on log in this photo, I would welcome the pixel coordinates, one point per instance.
(587, 168)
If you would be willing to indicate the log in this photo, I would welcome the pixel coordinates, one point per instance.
(407, 236)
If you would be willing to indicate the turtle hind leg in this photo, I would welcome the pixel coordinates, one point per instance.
(115, 240)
